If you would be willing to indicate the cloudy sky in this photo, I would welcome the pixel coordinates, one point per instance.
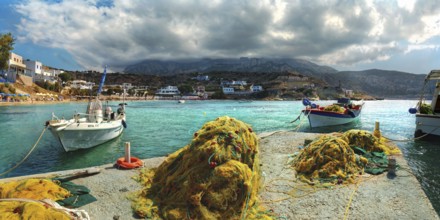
(401, 35)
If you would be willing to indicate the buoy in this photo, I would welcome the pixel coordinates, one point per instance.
(134, 163)
(412, 110)
(129, 162)
(306, 102)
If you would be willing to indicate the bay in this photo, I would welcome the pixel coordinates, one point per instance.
(157, 128)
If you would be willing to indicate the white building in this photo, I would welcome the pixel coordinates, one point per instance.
(228, 90)
(81, 84)
(15, 66)
(234, 83)
(169, 90)
(256, 88)
(35, 68)
(127, 86)
(202, 78)
(39, 72)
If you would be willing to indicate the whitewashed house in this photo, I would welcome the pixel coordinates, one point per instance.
(202, 78)
(81, 84)
(35, 68)
(127, 86)
(169, 90)
(256, 88)
(228, 90)
(15, 66)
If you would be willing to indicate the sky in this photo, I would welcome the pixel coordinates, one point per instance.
(401, 35)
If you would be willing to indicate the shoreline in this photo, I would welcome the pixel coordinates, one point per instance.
(136, 99)
(374, 197)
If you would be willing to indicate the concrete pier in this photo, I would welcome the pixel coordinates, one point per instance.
(374, 197)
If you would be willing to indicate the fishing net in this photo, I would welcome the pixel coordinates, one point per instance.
(35, 189)
(339, 158)
(216, 176)
(12, 210)
(328, 159)
(367, 141)
(334, 108)
(426, 109)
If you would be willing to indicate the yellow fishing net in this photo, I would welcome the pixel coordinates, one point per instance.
(35, 189)
(330, 158)
(216, 176)
(334, 108)
(367, 141)
(13, 210)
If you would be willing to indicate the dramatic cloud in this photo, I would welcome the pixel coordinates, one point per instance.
(331, 32)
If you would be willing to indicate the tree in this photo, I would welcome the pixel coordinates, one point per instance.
(218, 95)
(131, 92)
(65, 77)
(6, 45)
(185, 89)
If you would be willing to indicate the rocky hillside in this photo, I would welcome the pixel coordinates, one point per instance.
(379, 83)
(257, 65)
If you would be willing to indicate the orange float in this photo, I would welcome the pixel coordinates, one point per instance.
(135, 163)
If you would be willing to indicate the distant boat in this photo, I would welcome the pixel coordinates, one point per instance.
(86, 130)
(342, 112)
(181, 101)
(244, 101)
(428, 116)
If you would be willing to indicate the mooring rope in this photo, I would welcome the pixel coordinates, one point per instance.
(411, 139)
(296, 129)
(347, 207)
(27, 155)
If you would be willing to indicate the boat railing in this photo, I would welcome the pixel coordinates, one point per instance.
(116, 117)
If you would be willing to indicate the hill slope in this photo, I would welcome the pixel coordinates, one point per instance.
(157, 67)
(381, 83)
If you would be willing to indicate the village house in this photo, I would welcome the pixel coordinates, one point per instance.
(256, 88)
(233, 83)
(15, 67)
(228, 90)
(34, 68)
(202, 78)
(168, 90)
(81, 84)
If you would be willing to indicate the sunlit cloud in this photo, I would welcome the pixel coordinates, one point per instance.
(122, 32)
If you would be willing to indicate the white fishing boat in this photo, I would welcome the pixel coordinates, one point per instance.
(342, 112)
(86, 130)
(428, 115)
(181, 101)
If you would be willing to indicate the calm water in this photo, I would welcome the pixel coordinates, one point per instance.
(156, 128)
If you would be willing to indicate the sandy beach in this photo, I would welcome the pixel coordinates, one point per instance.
(373, 197)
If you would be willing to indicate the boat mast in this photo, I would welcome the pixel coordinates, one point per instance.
(101, 84)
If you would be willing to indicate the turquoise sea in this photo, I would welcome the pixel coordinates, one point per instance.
(156, 128)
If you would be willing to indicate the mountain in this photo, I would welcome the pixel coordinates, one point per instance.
(379, 83)
(244, 64)
(375, 82)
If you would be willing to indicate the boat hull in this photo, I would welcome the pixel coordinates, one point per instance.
(427, 124)
(75, 136)
(318, 118)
